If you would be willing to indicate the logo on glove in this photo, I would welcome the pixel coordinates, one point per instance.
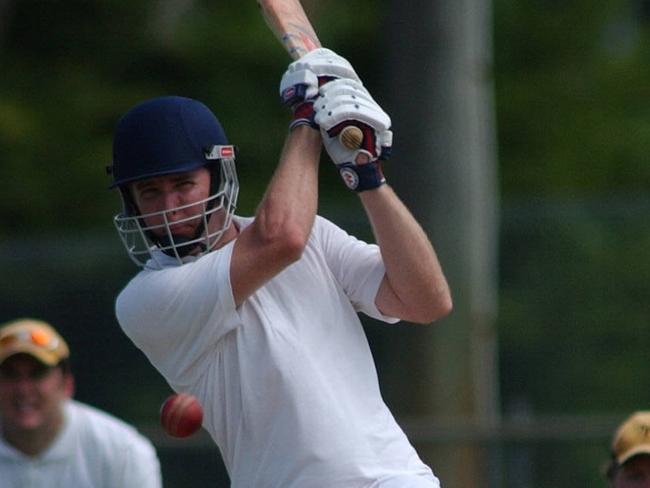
(350, 178)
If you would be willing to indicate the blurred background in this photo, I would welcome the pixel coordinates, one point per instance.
(522, 130)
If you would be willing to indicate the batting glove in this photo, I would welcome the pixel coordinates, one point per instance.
(300, 83)
(343, 104)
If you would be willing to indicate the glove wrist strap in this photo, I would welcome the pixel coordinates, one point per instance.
(362, 177)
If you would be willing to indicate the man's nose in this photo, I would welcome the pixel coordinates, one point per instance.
(24, 383)
(171, 202)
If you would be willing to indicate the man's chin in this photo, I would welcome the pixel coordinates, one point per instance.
(179, 236)
(181, 246)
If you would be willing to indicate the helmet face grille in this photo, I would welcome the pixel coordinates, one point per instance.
(144, 250)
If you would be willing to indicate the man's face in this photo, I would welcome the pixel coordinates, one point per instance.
(634, 474)
(31, 393)
(167, 193)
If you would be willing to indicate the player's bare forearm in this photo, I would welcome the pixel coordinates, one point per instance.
(414, 288)
(290, 202)
(284, 218)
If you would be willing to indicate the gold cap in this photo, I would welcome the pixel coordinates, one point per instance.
(632, 437)
(33, 337)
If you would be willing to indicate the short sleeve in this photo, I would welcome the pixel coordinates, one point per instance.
(356, 265)
(176, 315)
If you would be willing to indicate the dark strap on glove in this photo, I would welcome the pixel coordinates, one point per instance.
(362, 177)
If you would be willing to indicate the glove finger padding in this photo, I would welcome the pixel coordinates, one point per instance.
(352, 107)
(345, 103)
(303, 77)
(300, 83)
(324, 62)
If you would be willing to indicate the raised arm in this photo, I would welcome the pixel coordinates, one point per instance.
(286, 214)
(414, 287)
(284, 218)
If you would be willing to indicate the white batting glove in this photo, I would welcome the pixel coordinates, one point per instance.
(316, 64)
(300, 83)
(344, 103)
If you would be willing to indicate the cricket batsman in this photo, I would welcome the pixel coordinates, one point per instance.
(258, 316)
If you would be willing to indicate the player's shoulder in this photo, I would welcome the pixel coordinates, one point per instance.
(151, 285)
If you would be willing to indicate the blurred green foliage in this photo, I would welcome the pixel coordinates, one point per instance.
(573, 105)
(71, 68)
(572, 91)
(573, 96)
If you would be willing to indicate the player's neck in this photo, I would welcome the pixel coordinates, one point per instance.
(229, 235)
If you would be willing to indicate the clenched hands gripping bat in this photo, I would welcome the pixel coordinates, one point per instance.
(289, 23)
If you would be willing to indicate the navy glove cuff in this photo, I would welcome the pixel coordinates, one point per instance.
(362, 177)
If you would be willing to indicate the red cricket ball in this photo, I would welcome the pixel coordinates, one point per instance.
(181, 415)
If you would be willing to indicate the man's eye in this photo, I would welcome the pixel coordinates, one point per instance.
(8, 375)
(148, 194)
(35, 374)
(39, 373)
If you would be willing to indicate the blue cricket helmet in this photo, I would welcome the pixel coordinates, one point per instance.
(164, 135)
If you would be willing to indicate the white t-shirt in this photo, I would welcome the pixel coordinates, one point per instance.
(287, 379)
(94, 450)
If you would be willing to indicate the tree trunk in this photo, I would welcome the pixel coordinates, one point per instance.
(444, 168)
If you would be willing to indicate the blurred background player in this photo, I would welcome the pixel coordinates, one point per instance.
(257, 317)
(629, 466)
(49, 440)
